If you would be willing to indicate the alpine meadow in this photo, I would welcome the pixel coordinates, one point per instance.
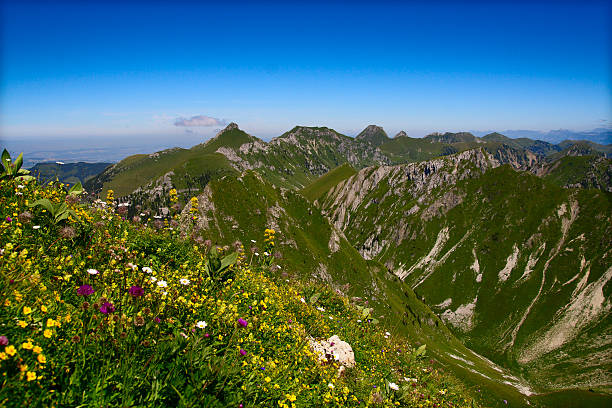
(295, 255)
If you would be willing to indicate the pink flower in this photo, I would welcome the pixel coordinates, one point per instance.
(136, 291)
(242, 352)
(85, 290)
(242, 322)
(107, 308)
(3, 341)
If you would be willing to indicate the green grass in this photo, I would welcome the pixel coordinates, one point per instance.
(323, 184)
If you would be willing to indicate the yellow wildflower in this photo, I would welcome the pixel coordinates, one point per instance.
(22, 324)
(27, 310)
(27, 345)
(47, 333)
(42, 359)
(43, 308)
(37, 349)
(31, 375)
(10, 350)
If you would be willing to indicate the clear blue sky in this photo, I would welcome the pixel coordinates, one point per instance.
(96, 71)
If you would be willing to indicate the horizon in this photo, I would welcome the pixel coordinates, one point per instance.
(114, 149)
(146, 72)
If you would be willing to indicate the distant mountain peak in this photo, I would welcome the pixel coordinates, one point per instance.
(373, 134)
(229, 127)
(401, 133)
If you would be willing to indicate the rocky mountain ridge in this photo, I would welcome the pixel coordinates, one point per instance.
(501, 240)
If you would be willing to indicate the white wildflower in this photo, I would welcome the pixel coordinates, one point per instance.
(393, 386)
(184, 281)
(146, 269)
(93, 271)
(201, 324)
(162, 284)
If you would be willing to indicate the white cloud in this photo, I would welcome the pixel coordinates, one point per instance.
(199, 120)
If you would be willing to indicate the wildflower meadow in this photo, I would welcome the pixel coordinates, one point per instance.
(97, 310)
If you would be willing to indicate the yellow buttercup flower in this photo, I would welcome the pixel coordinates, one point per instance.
(43, 308)
(42, 359)
(31, 375)
(10, 350)
(47, 333)
(27, 310)
(22, 324)
(27, 345)
(37, 349)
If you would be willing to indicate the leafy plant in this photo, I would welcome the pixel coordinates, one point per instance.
(218, 268)
(58, 212)
(13, 170)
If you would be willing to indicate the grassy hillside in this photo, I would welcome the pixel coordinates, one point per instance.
(581, 172)
(404, 149)
(506, 259)
(321, 185)
(113, 313)
(237, 208)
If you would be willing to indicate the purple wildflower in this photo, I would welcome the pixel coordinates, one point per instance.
(9, 219)
(242, 352)
(242, 322)
(136, 291)
(157, 320)
(3, 340)
(107, 308)
(85, 290)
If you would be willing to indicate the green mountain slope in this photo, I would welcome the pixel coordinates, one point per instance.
(404, 149)
(292, 160)
(580, 172)
(514, 264)
(330, 179)
(373, 134)
(535, 146)
(582, 147)
(234, 208)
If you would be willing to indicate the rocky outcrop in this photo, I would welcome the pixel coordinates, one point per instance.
(334, 349)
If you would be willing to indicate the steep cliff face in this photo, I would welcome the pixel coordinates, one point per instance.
(517, 266)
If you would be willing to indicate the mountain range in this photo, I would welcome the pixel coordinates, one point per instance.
(493, 251)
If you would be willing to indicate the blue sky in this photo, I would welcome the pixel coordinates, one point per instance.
(100, 71)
